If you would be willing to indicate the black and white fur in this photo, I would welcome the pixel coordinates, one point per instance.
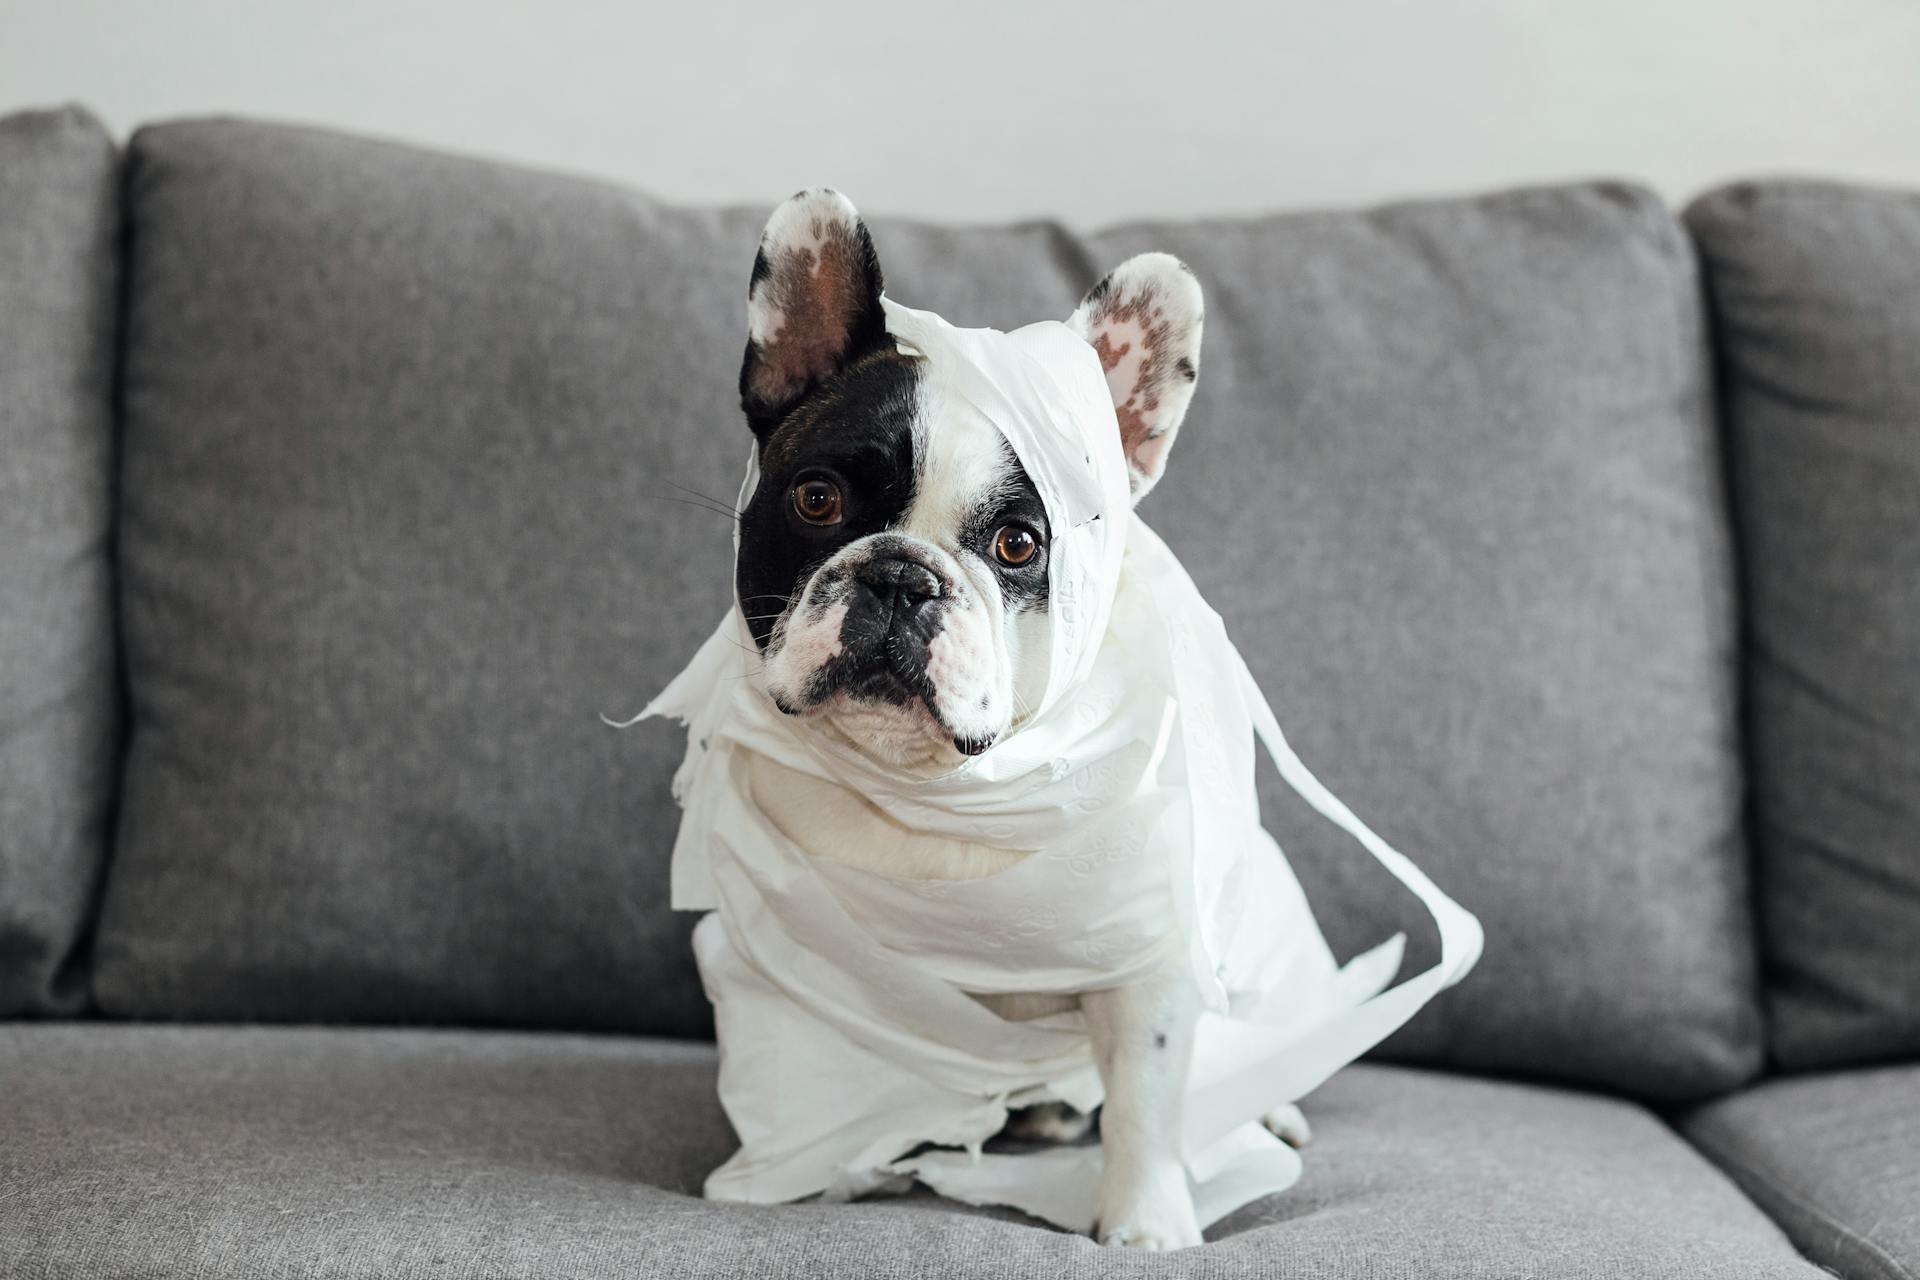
(900, 624)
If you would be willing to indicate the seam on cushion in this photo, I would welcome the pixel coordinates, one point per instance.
(1701, 221)
(1763, 1186)
(123, 718)
(1701, 400)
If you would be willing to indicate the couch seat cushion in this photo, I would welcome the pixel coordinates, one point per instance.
(1835, 1158)
(289, 1152)
(1817, 291)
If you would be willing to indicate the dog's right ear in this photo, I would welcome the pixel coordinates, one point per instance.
(813, 305)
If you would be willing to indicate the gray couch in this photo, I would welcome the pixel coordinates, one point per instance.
(343, 485)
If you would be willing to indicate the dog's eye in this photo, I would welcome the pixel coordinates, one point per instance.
(817, 501)
(1016, 545)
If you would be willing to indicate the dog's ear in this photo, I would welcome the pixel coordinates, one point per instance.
(1144, 321)
(813, 304)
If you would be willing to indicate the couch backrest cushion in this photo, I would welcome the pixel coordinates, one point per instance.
(59, 221)
(1451, 478)
(410, 441)
(1816, 288)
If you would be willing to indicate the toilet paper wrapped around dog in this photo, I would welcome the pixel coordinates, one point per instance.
(849, 1040)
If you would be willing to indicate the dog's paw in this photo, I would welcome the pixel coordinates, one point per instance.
(1289, 1125)
(1159, 1219)
(1157, 1231)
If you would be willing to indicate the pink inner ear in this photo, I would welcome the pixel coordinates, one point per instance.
(1131, 340)
(818, 292)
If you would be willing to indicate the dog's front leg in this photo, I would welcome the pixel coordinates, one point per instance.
(1143, 1041)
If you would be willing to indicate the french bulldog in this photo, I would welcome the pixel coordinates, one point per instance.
(893, 570)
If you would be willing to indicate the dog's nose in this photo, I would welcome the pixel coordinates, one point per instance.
(908, 580)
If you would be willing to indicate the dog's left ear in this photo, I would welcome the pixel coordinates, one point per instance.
(1144, 321)
(813, 303)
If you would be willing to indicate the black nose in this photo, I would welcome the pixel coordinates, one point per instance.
(908, 581)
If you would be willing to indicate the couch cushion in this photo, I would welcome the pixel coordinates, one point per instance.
(1834, 1158)
(299, 1152)
(1450, 476)
(413, 453)
(1817, 292)
(59, 270)
(405, 441)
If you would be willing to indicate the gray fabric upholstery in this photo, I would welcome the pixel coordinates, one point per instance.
(59, 219)
(410, 442)
(291, 1153)
(413, 454)
(1817, 290)
(1450, 477)
(1834, 1158)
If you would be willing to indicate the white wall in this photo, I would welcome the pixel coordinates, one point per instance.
(1093, 111)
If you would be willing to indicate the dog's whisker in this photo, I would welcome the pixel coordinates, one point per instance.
(718, 502)
(725, 513)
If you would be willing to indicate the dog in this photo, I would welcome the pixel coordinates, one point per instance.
(892, 568)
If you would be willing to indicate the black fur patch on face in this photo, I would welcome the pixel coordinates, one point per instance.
(856, 430)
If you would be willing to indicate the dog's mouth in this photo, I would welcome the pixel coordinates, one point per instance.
(879, 681)
(882, 686)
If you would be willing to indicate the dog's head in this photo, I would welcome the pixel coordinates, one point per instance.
(892, 565)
